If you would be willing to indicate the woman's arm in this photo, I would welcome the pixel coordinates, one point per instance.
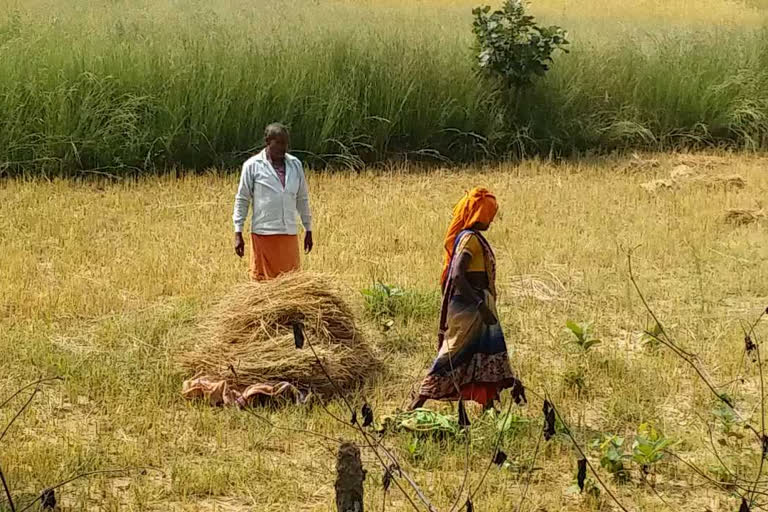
(466, 290)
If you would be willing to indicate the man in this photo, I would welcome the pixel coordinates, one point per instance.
(274, 182)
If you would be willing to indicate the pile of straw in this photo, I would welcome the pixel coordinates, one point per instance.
(682, 175)
(537, 287)
(248, 337)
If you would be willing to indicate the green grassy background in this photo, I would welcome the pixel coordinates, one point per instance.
(119, 85)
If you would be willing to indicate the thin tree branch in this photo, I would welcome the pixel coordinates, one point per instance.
(7, 491)
(652, 488)
(495, 451)
(723, 486)
(530, 472)
(584, 456)
(35, 383)
(19, 412)
(290, 429)
(370, 444)
(688, 357)
(762, 411)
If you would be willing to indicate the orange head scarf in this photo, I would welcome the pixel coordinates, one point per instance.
(477, 205)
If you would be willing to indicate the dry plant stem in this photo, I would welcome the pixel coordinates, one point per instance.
(759, 319)
(35, 383)
(719, 458)
(688, 357)
(468, 451)
(762, 413)
(685, 356)
(723, 486)
(371, 445)
(19, 412)
(584, 456)
(661, 498)
(7, 491)
(467, 455)
(495, 451)
(530, 472)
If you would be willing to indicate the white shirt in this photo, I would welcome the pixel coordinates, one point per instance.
(275, 208)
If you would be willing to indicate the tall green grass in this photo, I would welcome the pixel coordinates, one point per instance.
(124, 85)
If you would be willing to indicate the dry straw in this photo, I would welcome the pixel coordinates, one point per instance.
(683, 175)
(742, 216)
(247, 338)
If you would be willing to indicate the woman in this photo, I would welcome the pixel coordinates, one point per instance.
(472, 362)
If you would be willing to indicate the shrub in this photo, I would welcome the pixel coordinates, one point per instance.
(511, 47)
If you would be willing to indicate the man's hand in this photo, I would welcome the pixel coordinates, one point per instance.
(308, 243)
(239, 244)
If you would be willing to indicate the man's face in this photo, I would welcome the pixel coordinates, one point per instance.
(277, 146)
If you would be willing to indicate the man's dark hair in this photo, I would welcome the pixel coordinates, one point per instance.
(275, 130)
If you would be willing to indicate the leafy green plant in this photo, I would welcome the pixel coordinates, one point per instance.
(582, 335)
(381, 300)
(384, 303)
(649, 447)
(511, 424)
(512, 47)
(415, 448)
(728, 419)
(422, 423)
(613, 457)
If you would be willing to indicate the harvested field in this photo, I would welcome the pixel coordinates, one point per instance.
(104, 283)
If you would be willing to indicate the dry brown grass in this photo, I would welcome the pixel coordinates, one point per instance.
(104, 284)
(696, 174)
(247, 338)
(744, 216)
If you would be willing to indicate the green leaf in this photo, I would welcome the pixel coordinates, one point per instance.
(575, 328)
(590, 343)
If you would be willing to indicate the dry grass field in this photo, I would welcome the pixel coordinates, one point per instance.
(102, 283)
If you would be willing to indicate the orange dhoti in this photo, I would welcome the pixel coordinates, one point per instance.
(272, 255)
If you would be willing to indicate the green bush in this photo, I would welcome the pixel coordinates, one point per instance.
(511, 47)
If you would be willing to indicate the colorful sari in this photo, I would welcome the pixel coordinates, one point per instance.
(472, 362)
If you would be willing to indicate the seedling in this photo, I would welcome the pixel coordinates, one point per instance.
(381, 301)
(612, 457)
(582, 337)
(649, 447)
(385, 303)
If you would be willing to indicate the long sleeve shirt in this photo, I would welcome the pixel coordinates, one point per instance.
(276, 208)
